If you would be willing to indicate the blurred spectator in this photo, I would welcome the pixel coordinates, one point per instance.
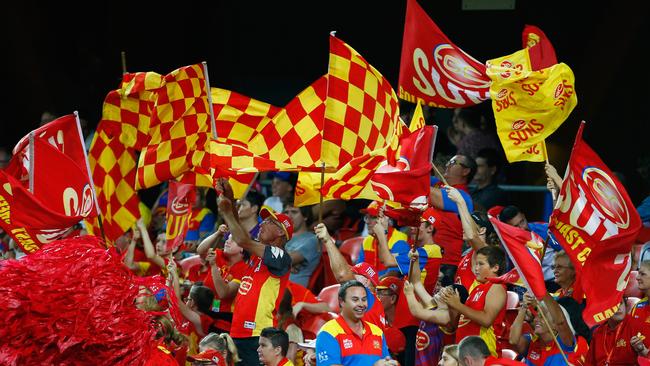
(303, 247)
(282, 188)
(467, 121)
(487, 193)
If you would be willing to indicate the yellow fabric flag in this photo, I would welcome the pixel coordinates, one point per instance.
(307, 190)
(529, 105)
(417, 121)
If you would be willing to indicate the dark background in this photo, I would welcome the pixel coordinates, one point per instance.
(62, 58)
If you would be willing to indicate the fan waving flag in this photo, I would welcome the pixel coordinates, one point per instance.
(180, 131)
(596, 223)
(519, 245)
(529, 105)
(433, 70)
(361, 110)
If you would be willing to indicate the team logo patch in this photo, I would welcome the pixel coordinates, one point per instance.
(604, 191)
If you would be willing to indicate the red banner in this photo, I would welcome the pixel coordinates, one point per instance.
(596, 223)
(519, 245)
(435, 71)
(28, 220)
(408, 182)
(540, 49)
(179, 210)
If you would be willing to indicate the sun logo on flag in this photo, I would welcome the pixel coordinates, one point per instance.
(604, 191)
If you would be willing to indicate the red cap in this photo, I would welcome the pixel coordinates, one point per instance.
(372, 209)
(395, 339)
(367, 271)
(210, 355)
(392, 283)
(431, 215)
(283, 219)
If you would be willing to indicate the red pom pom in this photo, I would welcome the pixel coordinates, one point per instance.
(72, 303)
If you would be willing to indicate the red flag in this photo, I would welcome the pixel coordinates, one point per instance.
(540, 49)
(60, 183)
(435, 71)
(408, 182)
(510, 278)
(596, 223)
(28, 220)
(179, 210)
(519, 245)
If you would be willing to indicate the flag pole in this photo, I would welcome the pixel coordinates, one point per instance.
(123, 57)
(31, 162)
(322, 182)
(250, 185)
(207, 87)
(442, 177)
(542, 309)
(90, 175)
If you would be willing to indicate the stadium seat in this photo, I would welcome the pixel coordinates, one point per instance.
(330, 295)
(190, 262)
(317, 277)
(632, 288)
(311, 327)
(351, 248)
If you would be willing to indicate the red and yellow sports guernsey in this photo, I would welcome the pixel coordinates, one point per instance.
(285, 362)
(466, 327)
(260, 293)
(229, 273)
(337, 344)
(375, 312)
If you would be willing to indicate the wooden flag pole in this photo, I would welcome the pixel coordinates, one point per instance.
(322, 182)
(123, 56)
(442, 177)
(211, 108)
(31, 162)
(542, 309)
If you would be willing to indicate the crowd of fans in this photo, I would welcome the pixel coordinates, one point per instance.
(262, 281)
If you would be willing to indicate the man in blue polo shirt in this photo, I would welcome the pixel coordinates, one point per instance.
(348, 340)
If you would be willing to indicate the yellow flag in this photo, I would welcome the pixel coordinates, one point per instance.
(529, 105)
(307, 190)
(417, 121)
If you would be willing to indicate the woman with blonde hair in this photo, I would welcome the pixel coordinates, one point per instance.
(217, 345)
(449, 356)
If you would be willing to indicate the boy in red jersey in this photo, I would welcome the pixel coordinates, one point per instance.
(266, 279)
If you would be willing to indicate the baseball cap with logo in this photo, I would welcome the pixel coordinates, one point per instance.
(431, 215)
(367, 271)
(283, 219)
(390, 283)
(212, 356)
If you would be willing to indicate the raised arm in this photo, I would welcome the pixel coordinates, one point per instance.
(340, 267)
(437, 316)
(415, 278)
(495, 300)
(379, 232)
(226, 209)
(470, 229)
(188, 313)
(225, 290)
(128, 257)
(149, 249)
(558, 321)
(516, 337)
(211, 241)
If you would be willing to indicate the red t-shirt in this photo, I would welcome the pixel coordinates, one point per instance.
(466, 327)
(612, 345)
(464, 274)
(228, 273)
(449, 233)
(640, 318)
(260, 293)
(375, 314)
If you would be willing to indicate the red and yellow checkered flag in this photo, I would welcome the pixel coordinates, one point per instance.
(113, 167)
(123, 129)
(264, 137)
(362, 109)
(179, 131)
